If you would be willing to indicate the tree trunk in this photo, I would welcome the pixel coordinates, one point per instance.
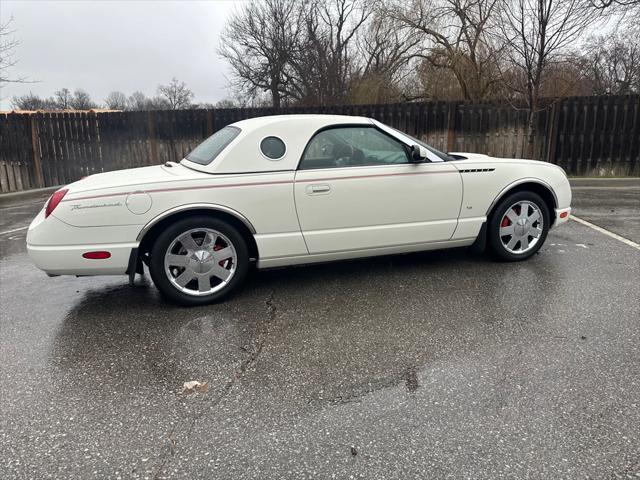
(275, 93)
(531, 133)
(531, 124)
(275, 97)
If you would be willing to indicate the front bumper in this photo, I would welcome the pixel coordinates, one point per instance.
(562, 216)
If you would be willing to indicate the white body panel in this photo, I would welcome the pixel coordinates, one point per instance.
(367, 210)
(378, 206)
(483, 188)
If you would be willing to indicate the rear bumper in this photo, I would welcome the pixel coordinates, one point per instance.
(48, 247)
(68, 259)
(562, 216)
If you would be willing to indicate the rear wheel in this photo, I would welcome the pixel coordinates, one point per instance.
(518, 226)
(198, 260)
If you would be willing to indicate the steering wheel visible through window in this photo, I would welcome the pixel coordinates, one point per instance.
(352, 146)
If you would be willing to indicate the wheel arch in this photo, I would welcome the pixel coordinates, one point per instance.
(535, 185)
(154, 227)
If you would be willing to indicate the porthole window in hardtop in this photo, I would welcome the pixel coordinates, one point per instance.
(273, 148)
(208, 150)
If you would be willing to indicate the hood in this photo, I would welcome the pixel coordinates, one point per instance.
(482, 158)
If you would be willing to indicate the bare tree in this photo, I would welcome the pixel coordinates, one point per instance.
(385, 70)
(296, 50)
(460, 35)
(81, 100)
(116, 101)
(325, 63)
(434, 82)
(613, 65)
(63, 99)
(538, 34)
(225, 103)
(29, 101)
(8, 44)
(176, 93)
(161, 103)
(615, 4)
(60, 101)
(137, 101)
(258, 42)
(567, 78)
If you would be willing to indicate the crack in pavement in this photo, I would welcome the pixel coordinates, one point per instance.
(408, 377)
(246, 365)
(411, 379)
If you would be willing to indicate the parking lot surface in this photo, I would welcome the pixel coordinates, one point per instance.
(431, 365)
(613, 204)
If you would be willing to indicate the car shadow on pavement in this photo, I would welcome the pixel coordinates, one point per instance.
(337, 331)
(134, 326)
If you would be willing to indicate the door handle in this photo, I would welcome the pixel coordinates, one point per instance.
(318, 189)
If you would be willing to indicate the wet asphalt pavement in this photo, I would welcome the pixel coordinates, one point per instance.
(432, 365)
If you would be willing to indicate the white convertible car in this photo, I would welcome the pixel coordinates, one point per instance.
(293, 189)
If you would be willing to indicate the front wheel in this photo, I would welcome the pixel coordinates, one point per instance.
(518, 226)
(198, 260)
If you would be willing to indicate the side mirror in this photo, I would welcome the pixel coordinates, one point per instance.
(418, 153)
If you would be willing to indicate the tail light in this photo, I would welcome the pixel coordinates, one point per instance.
(99, 255)
(53, 201)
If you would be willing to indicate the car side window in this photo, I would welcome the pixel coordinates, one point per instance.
(273, 148)
(352, 147)
(207, 151)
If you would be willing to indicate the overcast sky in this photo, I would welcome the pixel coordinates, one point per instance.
(101, 46)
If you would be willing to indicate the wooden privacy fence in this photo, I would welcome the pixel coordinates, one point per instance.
(590, 136)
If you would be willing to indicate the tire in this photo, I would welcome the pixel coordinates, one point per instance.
(189, 260)
(526, 215)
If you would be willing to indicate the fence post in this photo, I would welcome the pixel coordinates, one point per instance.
(35, 146)
(210, 123)
(451, 126)
(96, 150)
(152, 136)
(552, 133)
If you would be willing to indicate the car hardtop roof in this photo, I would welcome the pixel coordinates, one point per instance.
(258, 122)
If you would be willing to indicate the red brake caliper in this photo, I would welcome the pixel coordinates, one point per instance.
(215, 249)
(505, 220)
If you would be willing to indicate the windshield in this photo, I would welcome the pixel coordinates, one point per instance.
(208, 150)
(411, 140)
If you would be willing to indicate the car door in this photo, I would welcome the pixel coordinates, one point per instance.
(355, 188)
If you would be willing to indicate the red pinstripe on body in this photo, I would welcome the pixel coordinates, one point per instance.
(176, 189)
(253, 184)
(373, 175)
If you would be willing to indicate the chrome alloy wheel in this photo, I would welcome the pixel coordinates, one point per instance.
(200, 261)
(521, 227)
